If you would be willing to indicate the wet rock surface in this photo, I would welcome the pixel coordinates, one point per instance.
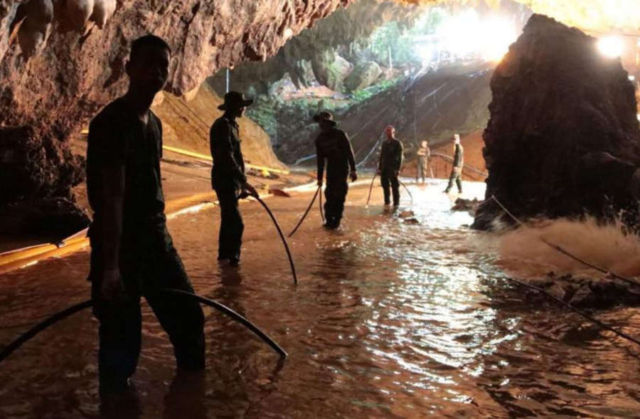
(563, 138)
(579, 291)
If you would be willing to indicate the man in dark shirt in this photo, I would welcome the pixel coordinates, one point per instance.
(227, 175)
(132, 254)
(458, 164)
(334, 149)
(391, 156)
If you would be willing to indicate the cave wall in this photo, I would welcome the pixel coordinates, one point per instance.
(63, 60)
(318, 45)
(563, 139)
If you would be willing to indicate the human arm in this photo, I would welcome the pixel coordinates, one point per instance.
(399, 158)
(320, 163)
(111, 229)
(220, 144)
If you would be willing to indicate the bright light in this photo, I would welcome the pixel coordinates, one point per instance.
(498, 34)
(611, 46)
(468, 34)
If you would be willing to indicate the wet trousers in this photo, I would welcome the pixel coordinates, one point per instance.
(421, 169)
(335, 194)
(121, 321)
(231, 225)
(456, 175)
(390, 185)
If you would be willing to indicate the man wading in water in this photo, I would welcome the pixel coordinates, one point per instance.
(458, 164)
(333, 146)
(132, 254)
(391, 155)
(227, 175)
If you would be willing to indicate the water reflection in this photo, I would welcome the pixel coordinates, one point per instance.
(390, 319)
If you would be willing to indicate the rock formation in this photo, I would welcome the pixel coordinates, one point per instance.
(62, 60)
(563, 138)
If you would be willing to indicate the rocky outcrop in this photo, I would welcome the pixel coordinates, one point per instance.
(563, 138)
(331, 69)
(363, 76)
(62, 60)
(342, 30)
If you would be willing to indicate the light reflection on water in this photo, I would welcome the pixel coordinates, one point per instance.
(390, 319)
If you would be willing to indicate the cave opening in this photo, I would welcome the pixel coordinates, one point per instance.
(441, 304)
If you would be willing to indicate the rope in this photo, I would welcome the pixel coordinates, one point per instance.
(284, 240)
(61, 315)
(306, 212)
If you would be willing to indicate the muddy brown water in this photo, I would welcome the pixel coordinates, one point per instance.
(390, 319)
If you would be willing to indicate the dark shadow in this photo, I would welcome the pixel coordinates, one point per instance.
(186, 396)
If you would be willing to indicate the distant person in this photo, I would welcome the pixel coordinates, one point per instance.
(458, 164)
(333, 149)
(132, 254)
(423, 154)
(391, 156)
(227, 176)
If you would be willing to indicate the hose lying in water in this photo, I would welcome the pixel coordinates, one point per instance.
(407, 189)
(284, 240)
(61, 315)
(313, 200)
(370, 189)
(556, 299)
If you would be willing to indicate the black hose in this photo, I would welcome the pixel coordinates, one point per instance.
(558, 300)
(13, 346)
(284, 240)
(235, 316)
(51, 320)
(305, 213)
(407, 189)
(371, 189)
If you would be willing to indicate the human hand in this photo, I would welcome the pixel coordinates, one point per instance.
(378, 172)
(320, 182)
(249, 190)
(353, 175)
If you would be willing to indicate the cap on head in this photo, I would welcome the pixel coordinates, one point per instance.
(389, 130)
(322, 116)
(234, 100)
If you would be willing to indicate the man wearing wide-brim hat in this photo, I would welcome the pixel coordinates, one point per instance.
(228, 177)
(333, 149)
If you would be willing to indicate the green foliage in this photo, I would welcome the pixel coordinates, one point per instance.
(391, 38)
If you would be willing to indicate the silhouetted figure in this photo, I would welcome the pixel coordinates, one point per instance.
(391, 156)
(334, 149)
(132, 254)
(227, 175)
(458, 164)
(423, 154)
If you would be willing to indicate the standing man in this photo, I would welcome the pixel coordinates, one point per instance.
(334, 149)
(458, 164)
(132, 254)
(227, 175)
(424, 153)
(391, 156)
